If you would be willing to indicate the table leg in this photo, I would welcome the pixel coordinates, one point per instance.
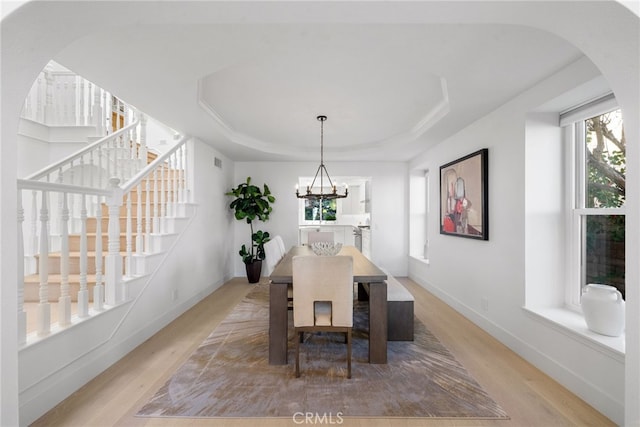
(278, 323)
(362, 293)
(378, 322)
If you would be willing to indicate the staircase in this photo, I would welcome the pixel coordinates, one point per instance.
(54, 267)
(97, 220)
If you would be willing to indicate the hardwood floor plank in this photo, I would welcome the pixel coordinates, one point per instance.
(530, 397)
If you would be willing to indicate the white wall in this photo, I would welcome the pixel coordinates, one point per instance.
(388, 208)
(40, 145)
(197, 265)
(545, 203)
(585, 24)
(504, 269)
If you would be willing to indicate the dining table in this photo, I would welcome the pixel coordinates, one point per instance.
(365, 273)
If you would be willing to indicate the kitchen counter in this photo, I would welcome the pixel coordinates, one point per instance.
(342, 233)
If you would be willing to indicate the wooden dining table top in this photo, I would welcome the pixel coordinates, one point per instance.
(364, 271)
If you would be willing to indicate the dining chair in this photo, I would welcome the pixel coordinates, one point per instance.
(283, 249)
(319, 236)
(322, 298)
(272, 257)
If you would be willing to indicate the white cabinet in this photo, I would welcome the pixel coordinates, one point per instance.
(366, 242)
(365, 197)
(352, 205)
(358, 201)
(349, 238)
(341, 233)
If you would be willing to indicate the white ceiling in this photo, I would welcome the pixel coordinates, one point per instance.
(254, 90)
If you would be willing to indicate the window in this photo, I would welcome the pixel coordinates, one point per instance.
(419, 214)
(312, 210)
(597, 218)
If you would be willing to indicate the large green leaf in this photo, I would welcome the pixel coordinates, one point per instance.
(251, 203)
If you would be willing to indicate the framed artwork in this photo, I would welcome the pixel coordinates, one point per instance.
(464, 185)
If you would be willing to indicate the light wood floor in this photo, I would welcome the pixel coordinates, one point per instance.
(530, 397)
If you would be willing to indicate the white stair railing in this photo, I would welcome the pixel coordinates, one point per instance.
(59, 97)
(44, 252)
(79, 168)
(168, 172)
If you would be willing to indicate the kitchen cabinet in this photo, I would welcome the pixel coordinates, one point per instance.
(366, 242)
(352, 204)
(366, 197)
(341, 233)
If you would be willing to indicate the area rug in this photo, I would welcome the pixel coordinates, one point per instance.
(229, 375)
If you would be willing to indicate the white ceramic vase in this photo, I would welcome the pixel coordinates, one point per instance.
(603, 309)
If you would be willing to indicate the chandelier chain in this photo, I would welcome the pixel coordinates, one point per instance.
(321, 171)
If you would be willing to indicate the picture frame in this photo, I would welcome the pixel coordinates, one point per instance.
(464, 196)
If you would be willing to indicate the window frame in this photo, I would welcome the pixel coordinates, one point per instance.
(427, 210)
(574, 135)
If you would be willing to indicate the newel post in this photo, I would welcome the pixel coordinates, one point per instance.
(113, 262)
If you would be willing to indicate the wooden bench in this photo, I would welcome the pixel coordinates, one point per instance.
(399, 309)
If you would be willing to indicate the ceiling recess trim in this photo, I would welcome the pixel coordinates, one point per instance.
(432, 116)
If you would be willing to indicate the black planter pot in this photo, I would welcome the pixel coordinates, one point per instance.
(253, 271)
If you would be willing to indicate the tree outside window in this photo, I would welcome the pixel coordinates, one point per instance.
(603, 221)
(312, 209)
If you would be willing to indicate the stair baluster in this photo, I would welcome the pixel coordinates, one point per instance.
(22, 315)
(49, 110)
(91, 171)
(104, 106)
(147, 214)
(169, 179)
(82, 119)
(143, 142)
(91, 104)
(73, 206)
(133, 153)
(128, 245)
(64, 300)
(163, 200)
(175, 172)
(113, 265)
(185, 174)
(100, 171)
(44, 308)
(156, 222)
(71, 95)
(180, 176)
(139, 235)
(83, 293)
(98, 289)
(33, 250)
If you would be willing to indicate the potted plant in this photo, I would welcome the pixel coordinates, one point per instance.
(250, 203)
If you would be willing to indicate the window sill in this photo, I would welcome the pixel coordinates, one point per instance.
(420, 258)
(573, 325)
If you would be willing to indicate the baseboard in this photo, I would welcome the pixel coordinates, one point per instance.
(57, 386)
(565, 376)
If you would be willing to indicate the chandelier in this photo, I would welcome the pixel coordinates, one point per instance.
(322, 171)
